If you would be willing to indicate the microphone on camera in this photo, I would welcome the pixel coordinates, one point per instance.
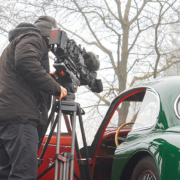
(91, 61)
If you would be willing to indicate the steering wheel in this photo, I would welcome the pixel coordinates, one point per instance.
(117, 132)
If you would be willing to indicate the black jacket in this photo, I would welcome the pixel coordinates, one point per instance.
(25, 82)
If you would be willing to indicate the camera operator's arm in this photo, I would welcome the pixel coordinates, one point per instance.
(29, 54)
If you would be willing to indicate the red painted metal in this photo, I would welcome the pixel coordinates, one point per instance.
(65, 146)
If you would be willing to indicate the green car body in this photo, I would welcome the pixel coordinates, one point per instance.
(161, 141)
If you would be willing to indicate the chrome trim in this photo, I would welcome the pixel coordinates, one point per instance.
(175, 107)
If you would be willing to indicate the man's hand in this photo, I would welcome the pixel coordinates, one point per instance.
(63, 90)
(63, 94)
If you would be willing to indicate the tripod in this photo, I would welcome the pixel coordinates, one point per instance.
(66, 160)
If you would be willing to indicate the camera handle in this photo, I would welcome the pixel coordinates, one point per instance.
(65, 159)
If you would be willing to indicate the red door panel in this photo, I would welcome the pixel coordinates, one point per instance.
(65, 146)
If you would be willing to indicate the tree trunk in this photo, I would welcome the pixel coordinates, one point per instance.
(122, 113)
(122, 76)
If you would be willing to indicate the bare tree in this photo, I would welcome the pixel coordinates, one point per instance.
(131, 35)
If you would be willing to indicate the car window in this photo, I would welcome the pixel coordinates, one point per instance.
(149, 111)
(127, 114)
(142, 108)
(126, 111)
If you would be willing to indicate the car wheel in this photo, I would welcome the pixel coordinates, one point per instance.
(145, 169)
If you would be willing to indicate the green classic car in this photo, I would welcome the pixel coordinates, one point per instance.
(148, 148)
(152, 148)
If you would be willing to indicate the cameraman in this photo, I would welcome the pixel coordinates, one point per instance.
(25, 89)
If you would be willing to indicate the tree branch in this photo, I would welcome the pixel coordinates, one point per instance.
(119, 11)
(139, 12)
(109, 9)
(151, 74)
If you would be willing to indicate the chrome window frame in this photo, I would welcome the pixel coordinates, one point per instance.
(176, 107)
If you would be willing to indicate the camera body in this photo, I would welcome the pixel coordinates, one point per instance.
(70, 64)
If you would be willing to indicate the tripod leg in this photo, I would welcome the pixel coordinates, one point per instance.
(89, 173)
(47, 124)
(61, 171)
(48, 139)
(67, 170)
(64, 171)
(57, 144)
(73, 144)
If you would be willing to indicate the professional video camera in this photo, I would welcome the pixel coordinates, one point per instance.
(74, 66)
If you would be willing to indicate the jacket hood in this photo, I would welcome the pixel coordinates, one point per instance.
(23, 28)
(46, 23)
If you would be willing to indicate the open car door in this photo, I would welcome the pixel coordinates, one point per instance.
(101, 150)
